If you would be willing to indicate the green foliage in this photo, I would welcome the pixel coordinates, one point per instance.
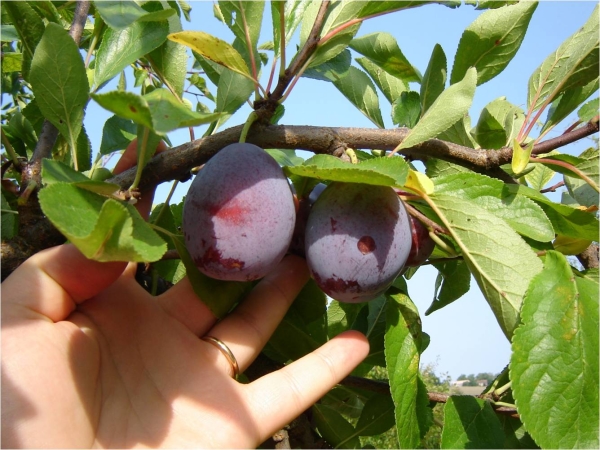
(506, 234)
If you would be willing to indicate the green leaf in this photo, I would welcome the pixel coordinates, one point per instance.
(126, 105)
(212, 48)
(574, 63)
(218, 295)
(119, 14)
(452, 282)
(501, 262)
(514, 433)
(590, 109)
(522, 214)
(579, 189)
(12, 62)
(402, 350)
(170, 59)
(390, 86)
(293, 15)
(434, 80)
(378, 171)
(333, 427)
(332, 69)
(568, 101)
(377, 7)
(357, 87)
(471, 422)
(232, 92)
(498, 124)
(120, 48)
(285, 157)
(59, 82)
(169, 114)
(554, 364)
(520, 159)
(22, 129)
(406, 110)
(30, 28)
(538, 175)
(10, 222)
(341, 316)
(491, 41)
(377, 416)
(102, 229)
(242, 17)
(451, 106)
(383, 50)
(117, 134)
(460, 133)
(8, 33)
(334, 45)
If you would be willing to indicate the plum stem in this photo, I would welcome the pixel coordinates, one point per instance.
(253, 117)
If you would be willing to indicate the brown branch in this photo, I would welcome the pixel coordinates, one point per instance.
(589, 257)
(177, 162)
(79, 20)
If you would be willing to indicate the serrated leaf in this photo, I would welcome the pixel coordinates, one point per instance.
(498, 124)
(554, 364)
(285, 157)
(491, 41)
(117, 134)
(406, 110)
(402, 354)
(104, 230)
(119, 48)
(460, 133)
(470, 422)
(522, 214)
(22, 129)
(242, 17)
(378, 171)
(434, 79)
(341, 316)
(358, 88)
(574, 63)
(333, 46)
(377, 7)
(419, 182)
(570, 246)
(30, 28)
(332, 69)
(232, 92)
(451, 106)
(59, 82)
(382, 49)
(218, 295)
(12, 62)
(500, 261)
(390, 86)
(334, 428)
(212, 48)
(452, 282)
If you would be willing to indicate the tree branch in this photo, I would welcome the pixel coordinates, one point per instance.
(177, 162)
(589, 257)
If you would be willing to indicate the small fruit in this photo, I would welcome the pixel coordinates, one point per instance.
(357, 240)
(422, 244)
(239, 214)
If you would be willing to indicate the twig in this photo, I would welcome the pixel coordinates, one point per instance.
(589, 257)
(424, 219)
(553, 188)
(79, 20)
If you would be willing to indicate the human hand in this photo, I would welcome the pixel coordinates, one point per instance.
(90, 359)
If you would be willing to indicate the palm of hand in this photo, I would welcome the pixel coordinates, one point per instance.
(128, 369)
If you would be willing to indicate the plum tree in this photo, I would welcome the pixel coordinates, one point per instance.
(357, 240)
(239, 214)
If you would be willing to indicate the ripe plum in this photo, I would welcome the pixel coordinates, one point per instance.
(357, 240)
(239, 214)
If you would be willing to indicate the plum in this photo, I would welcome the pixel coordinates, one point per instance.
(239, 214)
(358, 238)
(422, 244)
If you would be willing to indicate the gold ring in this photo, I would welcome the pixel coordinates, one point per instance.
(226, 352)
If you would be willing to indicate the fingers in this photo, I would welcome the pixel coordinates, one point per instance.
(281, 396)
(248, 328)
(54, 281)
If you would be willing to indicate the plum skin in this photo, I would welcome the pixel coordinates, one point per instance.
(358, 238)
(239, 214)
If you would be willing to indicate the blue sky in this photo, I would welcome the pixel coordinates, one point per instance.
(465, 337)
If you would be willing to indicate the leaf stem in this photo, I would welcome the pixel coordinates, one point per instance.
(11, 151)
(568, 166)
(167, 201)
(441, 244)
(253, 117)
(501, 390)
(141, 162)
